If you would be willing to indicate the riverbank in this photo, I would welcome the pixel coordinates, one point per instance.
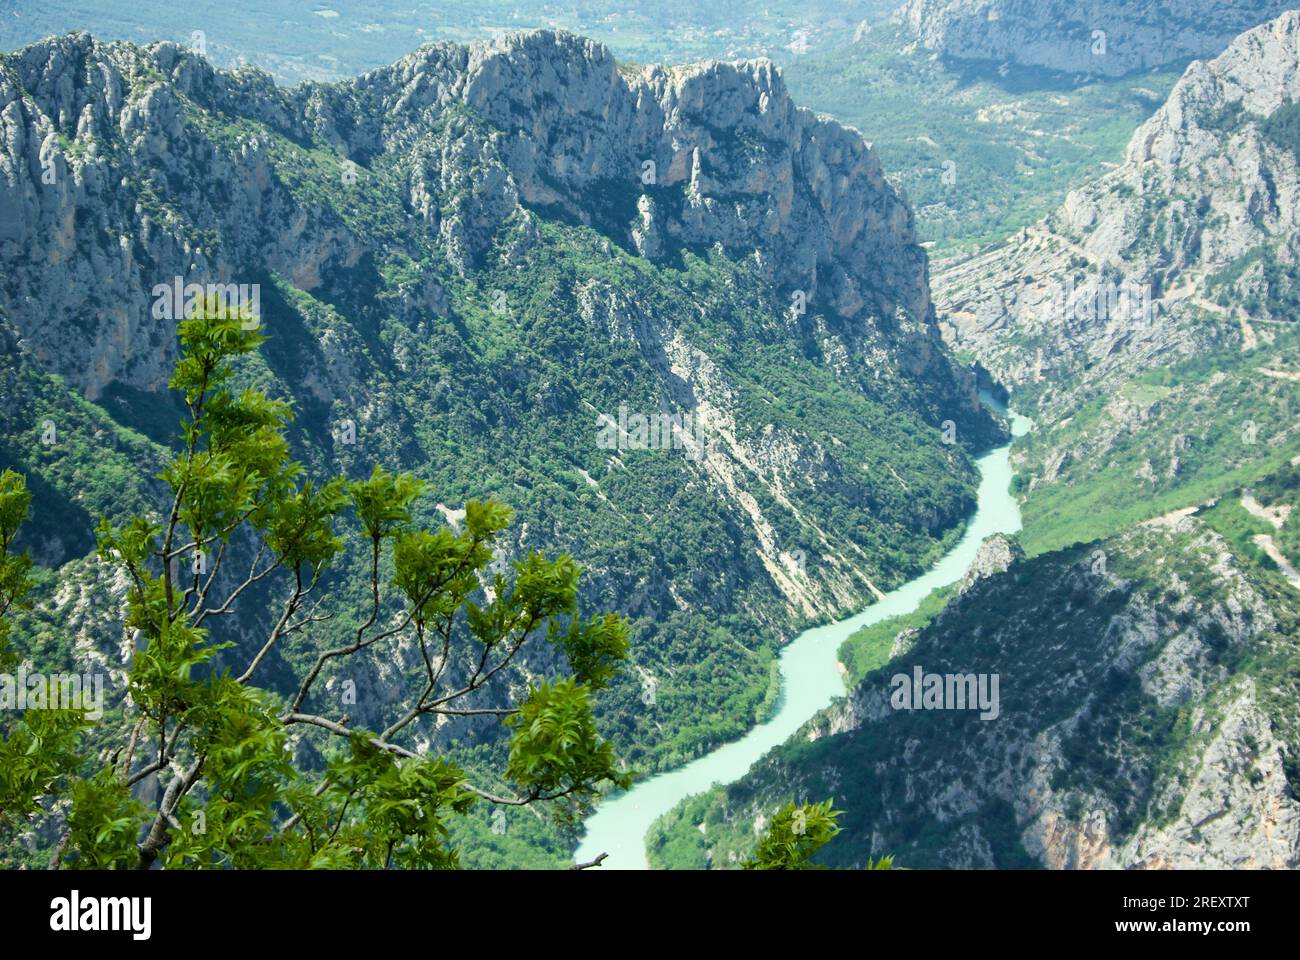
(811, 679)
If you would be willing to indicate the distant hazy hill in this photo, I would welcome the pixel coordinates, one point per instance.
(1149, 323)
(339, 39)
(1107, 37)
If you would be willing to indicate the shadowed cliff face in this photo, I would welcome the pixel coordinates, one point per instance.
(1143, 721)
(467, 259)
(1097, 37)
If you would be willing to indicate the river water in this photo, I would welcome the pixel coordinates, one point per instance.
(810, 680)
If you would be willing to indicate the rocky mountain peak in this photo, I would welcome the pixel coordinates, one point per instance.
(706, 153)
(1259, 72)
(1152, 260)
(996, 555)
(661, 159)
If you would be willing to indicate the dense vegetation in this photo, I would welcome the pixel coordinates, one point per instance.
(235, 797)
(868, 648)
(483, 377)
(1046, 627)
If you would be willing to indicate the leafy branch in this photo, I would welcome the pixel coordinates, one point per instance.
(231, 792)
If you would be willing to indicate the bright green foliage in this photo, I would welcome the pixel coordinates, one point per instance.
(383, 502)
(705, 832)
(594, 649)
(104, 822)
(482, 405)
(555, 741)
(868, 648)
(14, 581)
(37, 753)
(408, 800)
(36, 750)
(297, 526)
(1233, 424)
(247, 773)
(233, 790)
(795, 835)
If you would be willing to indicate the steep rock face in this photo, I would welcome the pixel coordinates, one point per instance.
(1156, 259)
(105, 192)
(1144, 722)
(755, 171)
(736, 163)
(1106, 37)
(995, 555)
(465, 261)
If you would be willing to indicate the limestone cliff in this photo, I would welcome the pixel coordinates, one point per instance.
(1190, 244)
(466, 260)
(1099, 37)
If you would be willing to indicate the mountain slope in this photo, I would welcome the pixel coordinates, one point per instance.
(466, 269)
(1145, 720)
(1146, 648)
(1204, 201)
(1148, 324)
(1107, 37)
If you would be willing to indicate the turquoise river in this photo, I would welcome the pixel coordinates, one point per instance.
(810, 680)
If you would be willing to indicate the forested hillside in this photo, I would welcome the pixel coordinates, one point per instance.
(469, 265)
(1143, 627)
